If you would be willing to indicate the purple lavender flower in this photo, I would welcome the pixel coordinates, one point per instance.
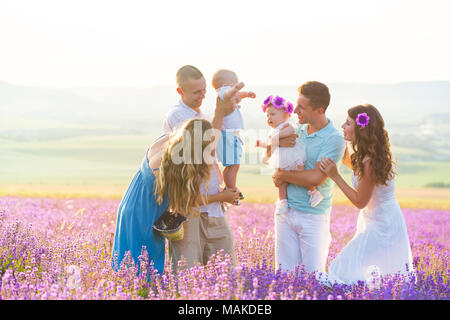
(34, 260)
(362, 119)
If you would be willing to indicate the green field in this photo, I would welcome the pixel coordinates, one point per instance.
(99, 163)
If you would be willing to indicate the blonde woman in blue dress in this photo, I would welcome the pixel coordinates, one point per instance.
(165, 183)
(380, 245)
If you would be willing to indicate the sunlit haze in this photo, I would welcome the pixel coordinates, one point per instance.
(142, 43)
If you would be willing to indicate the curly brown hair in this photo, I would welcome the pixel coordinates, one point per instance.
(371, 141)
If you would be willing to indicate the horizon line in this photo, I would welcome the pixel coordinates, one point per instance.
(3, 82)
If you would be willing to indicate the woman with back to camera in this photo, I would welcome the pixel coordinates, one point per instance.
(162, 183)
(380, 245)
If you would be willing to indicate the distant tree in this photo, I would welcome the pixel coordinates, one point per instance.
(437, 185)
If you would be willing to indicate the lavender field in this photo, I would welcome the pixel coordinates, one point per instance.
(61, 249)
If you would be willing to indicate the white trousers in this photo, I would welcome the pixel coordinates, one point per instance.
(302, 239)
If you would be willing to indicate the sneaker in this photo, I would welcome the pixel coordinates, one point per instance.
(241, 196)
(281, 207)
(315, 198)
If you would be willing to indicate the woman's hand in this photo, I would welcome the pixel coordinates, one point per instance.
(230, 196)
(328, 167)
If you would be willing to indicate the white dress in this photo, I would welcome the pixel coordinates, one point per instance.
(380, 243)
(286, 158)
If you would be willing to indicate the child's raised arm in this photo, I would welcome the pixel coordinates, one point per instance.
(246, 94)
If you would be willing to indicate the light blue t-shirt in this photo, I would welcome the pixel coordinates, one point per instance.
(328, 143)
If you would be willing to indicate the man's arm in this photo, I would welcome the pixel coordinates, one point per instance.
(285, 132)
(333, 149)
(286, 142)
(306, 178)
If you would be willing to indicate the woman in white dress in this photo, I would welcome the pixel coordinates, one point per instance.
(380, 245)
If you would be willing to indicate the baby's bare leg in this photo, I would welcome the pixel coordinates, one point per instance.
(230, 176)
(282, 191)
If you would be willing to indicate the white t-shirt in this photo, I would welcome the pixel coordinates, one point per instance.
(234, 121)
(179, 114)
(214, 209)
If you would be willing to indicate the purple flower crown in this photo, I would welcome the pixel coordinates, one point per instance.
(362, 119)
(278, 103)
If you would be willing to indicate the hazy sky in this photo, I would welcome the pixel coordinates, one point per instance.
(130, 42)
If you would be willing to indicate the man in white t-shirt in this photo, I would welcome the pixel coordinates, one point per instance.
(192, 90)
(210, 232)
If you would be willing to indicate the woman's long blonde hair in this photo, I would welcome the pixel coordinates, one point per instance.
(181, 180)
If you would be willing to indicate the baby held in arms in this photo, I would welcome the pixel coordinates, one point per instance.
(230, 146)
(278, 112)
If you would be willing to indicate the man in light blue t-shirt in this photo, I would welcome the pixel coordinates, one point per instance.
(302, 235)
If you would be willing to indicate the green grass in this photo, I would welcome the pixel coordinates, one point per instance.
(84, 161)
(410, 174)
(113, 160)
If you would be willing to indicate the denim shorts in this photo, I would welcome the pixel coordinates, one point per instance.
(229, 149)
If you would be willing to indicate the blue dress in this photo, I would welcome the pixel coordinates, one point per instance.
(137, 213)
